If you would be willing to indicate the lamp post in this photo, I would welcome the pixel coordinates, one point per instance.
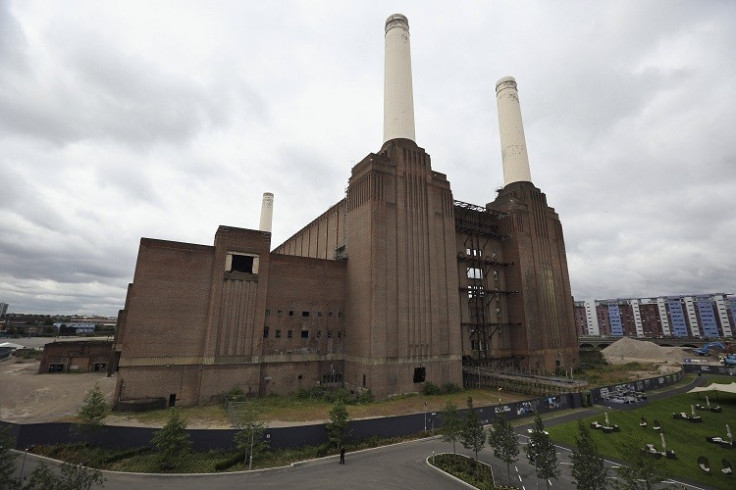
(425, 417)
(252, 430)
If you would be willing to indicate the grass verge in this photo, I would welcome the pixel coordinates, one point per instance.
(145, 460)
(472, 472)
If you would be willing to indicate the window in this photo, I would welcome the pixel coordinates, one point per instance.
(290, 334)
(305, 313)
(475, 273)
(420, 374)
(329, 334)
(319, 333)
(278, 334)
(339, 334)
(265, 332)
(268, 313)
(305, 334)
(291, 312)
(240, 262)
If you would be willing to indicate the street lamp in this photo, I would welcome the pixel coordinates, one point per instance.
(425, 417)
(252, 431)
(23, 464)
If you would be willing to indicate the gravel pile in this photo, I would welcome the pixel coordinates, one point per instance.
(627, 349)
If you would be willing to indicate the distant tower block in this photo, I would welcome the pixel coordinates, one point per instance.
(266, 212)
(398, 102)
(513, 143)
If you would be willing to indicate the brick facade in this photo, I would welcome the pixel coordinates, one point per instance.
(393, 286)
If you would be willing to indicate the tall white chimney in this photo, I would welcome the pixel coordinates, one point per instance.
(398, 98)
(266, 212)
(513, 143)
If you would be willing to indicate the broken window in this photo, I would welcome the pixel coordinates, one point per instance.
(305, 313)
(420, 374)
(305, 334)
(278, 334)
(239, 262)
(265, 332)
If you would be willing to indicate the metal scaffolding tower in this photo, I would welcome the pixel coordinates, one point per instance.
(483, 292)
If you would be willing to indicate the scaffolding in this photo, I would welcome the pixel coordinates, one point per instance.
(485, 316)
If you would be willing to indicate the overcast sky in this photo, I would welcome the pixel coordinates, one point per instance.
(121, 120)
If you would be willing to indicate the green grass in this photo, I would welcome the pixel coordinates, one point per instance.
(687, 439)
(146, 461)
(474, 473)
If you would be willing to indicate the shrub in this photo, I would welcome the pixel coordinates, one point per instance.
(431, 389)
(228, 463)
(236, 394)
(451, 388)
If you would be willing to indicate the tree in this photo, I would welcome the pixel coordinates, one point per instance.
(588, 469)
(69, 477)
(249, 438)
(504, 442)
(452, 424)
(338, 429)
(472, 436)
(639, 469)
(173, 440)
(92, 412)
(541, 452)
(7, 458)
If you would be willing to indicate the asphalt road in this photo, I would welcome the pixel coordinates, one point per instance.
(401, 466)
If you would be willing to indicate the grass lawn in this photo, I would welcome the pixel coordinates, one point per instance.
(686, 438)
(289, 409)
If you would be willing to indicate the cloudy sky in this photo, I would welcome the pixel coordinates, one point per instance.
(126, 119)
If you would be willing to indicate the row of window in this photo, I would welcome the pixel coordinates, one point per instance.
(305, 313)
(304, 334)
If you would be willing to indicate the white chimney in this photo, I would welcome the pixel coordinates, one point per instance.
(398, 98)
(266, 212)
(513, 143)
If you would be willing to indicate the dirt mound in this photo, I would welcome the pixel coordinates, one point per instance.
(631, 350)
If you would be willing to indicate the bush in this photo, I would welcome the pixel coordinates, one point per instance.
(236, 394)
(121, 455)
(238, 457)
(451, 388)
(364, 397)
(431, 389)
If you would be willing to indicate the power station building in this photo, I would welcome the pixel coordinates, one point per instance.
(395, 285)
